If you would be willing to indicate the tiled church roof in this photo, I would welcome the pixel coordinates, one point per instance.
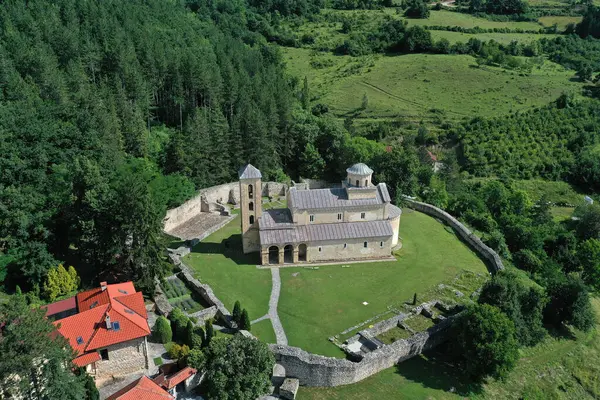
(334, 198)
(326, 232)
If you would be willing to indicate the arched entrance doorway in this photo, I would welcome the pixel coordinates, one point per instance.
(288, 254)
(302, 252)
(273, 255)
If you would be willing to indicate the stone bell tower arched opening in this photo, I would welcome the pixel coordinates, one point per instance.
(250, 207)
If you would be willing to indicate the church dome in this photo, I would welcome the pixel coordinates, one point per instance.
(360, 169)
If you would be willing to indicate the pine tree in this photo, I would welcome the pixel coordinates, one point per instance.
(162, 331)
(209, 332)
(237, 313)
(189, 334)
(245, 320)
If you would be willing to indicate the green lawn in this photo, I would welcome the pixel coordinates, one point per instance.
(560, 214)
(451, 18)
(563, 366)
(411, 86)
(231, 274)
(264, 331)
(317, 304)
(504, 38)
(555, 191)
(560, 21)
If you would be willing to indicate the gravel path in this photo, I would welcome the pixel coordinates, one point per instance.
(275, 289)
(266, 316)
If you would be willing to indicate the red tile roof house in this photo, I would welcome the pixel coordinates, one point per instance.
(173, 379)
(164, 386)
(109, 330)
(141, 389)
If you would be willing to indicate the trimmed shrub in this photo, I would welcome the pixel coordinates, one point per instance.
(162, 332)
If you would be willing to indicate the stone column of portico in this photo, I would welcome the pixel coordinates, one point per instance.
(295, 259)
(281, 255)
(264, 255)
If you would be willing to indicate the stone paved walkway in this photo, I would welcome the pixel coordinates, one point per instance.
(272, 314)
(275, 289)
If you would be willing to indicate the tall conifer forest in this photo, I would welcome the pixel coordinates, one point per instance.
(112, 111)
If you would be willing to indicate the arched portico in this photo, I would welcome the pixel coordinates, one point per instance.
(274, 255)
(288, 254)
(302, 253)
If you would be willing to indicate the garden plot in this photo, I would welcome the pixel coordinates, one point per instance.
(181, 296)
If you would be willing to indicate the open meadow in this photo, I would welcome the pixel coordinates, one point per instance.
(419, 85)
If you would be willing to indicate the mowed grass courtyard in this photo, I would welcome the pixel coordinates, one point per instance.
(318, 303)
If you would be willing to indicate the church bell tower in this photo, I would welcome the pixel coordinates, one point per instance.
(250, 206)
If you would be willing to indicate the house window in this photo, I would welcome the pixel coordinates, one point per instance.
(365, 245)
(357, 184)
(339, 216)
(362, 215)
(251, 219)
(320, 249)
(251, 206)
(312, 218)
(380, 244)
(345, 245)
(104, 354)
(250, 191)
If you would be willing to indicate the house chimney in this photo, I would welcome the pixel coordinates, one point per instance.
(107, 321)
(103, 286)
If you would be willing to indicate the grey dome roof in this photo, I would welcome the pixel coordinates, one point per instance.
(359, 169)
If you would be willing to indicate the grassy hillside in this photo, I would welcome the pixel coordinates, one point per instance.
(413, 85)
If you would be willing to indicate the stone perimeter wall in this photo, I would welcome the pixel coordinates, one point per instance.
(226, 193)
(473, 240)
(315, 370)
(205, 291)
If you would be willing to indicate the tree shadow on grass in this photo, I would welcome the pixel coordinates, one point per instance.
(560, 332)
(231, 248)
(436, 370)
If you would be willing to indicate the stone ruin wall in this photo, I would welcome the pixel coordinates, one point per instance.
(473, 240)
(205, 291)
(221, 194)
(315, 370)
(381, 327)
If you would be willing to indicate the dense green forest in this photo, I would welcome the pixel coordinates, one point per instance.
(110, 112)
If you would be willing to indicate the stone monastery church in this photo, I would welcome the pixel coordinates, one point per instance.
(356, 221)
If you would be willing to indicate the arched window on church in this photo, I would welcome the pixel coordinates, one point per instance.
(251, 219)
(250, 191)
(366, 182)
(251, 206)
(357, 183)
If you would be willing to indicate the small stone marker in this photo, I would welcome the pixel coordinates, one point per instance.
(289, 388)
(365, 303)
(295, 274)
